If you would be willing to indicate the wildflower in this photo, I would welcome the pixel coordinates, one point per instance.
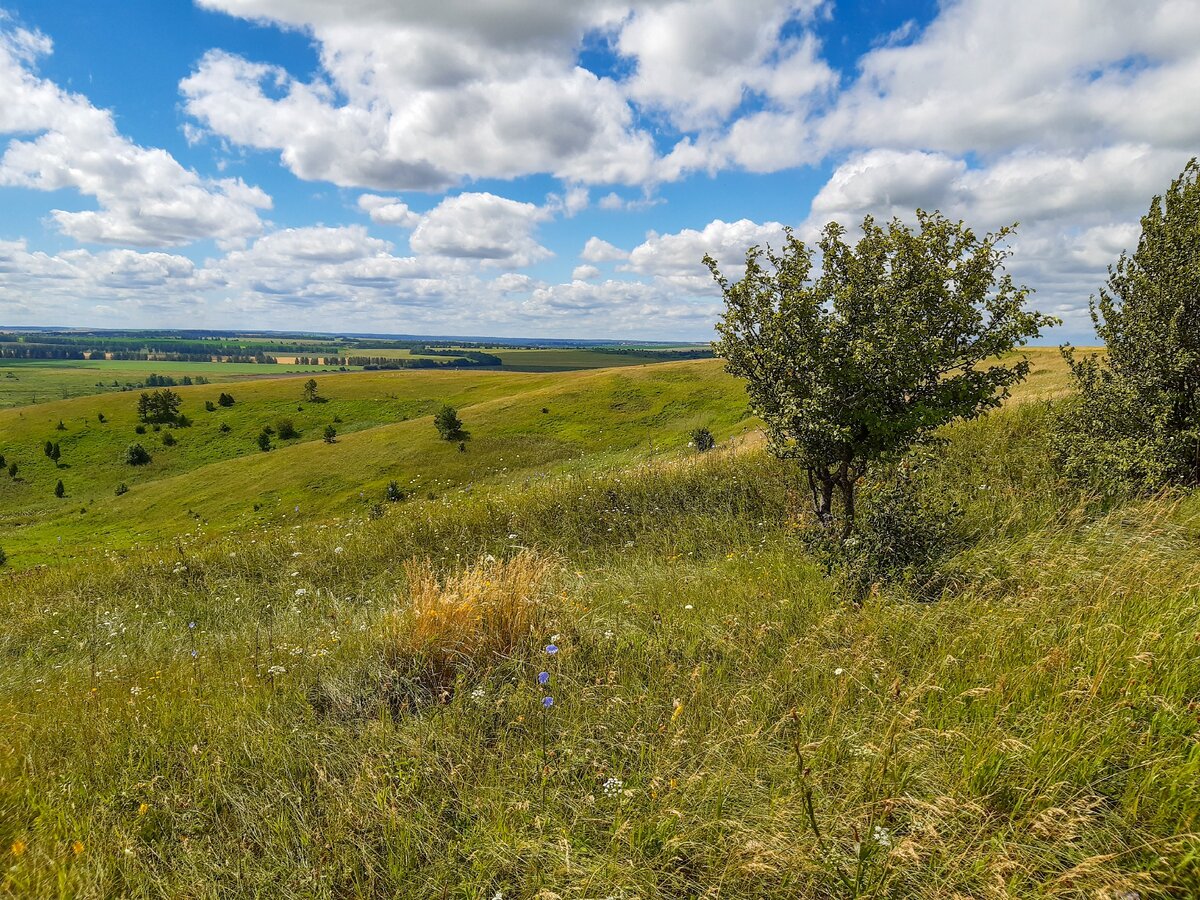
(688, 606)
(191, 625)
(882, 837)
(195, 653)
(547, 702)
(839, 671)
(276, 670)
(143, 808)
(77, 847)
(612, 787)
(608, 635)
(543, 677)
(551, 649)
(513, 536)
(18, 847)
(555, 638)
(478, 694)
(301, 592)
(338, 550)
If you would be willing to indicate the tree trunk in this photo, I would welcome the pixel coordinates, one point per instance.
(846, 486)
(820, 483)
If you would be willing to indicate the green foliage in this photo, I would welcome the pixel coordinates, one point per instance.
(60, 490)
(393, 493)
(309, 391)
(100, 418)
(139, 429)
(1136, 419)
(225, 400)
(448, 424)
(120, 489)
(168, 439)
(48, 449)
(2, 461)
(224, 428)
(3, 557)
(12, 470)
(330, 434)
(702, 439)
(286, 429)
(60, 426)
(136, 455)
(894, 337)
(161, 406)
(209, 406)
(264, 441)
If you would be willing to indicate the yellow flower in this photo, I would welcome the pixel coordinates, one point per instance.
(77, 847)
(678, 711)
(143, 809)
(18, 847)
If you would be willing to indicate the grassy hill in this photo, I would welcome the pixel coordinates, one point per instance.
(384, 422)
(351, 707)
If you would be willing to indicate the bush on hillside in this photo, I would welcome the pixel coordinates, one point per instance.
(393, 492)
(902, 537)
(136, 455)
(209, 406)
(264, 441)
(12, 470)
(122, 488)
(225, 400)
(448, 424)
(3, 557)
(224, 428)
(330, 434)
(161, 406)
(1136, 417)
(168, 440)
(286, 429)
(703, 440)
(60, 489)
(140, 429)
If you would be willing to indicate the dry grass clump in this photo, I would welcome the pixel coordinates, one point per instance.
(465, 620)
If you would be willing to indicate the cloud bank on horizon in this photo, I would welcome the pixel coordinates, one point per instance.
(559, 169)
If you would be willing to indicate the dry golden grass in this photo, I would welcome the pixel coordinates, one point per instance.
(485, 612)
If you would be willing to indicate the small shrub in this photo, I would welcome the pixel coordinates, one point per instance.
(448, 424)
(60, 489)
(462, 446)
(224, 429)
(141, 429)
(12, 470)
(330, 434)
(100, 418)
(169, 440)
(136, 455)
(287, 429)
(60, 426)
(545, 410)
(703, 440)
(393, 493)
(122, 488)
(225, 400)
(3, 557)
(902, 537)
(264, 441)
(209, 406)
(2, 462)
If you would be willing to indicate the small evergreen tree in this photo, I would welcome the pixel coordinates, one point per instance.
(448, 424)
(264, 441)
(60, 490)
(330, 434)
(286, 429)
(393, 492)
(310, 391)
(48, 449)
(55, 453)
(703, 440)
(225, 400)
(209, 406)
(12, 470)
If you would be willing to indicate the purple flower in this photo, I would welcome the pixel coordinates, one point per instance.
(543, 677)
(547, 702)
(191, 625)
(551, 649)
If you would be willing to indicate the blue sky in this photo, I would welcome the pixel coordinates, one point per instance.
(544, 168)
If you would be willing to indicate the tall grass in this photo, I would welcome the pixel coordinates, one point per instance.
(722, 725)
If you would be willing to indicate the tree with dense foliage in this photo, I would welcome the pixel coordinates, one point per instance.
(60, 490)
(135, 455)
(330, 434)
(159, 406)
(893, 337)
(310, 391)
(1136, 416)
(286, 429)
(448, 424)
(55, 453)
(225, 399)
(264, 441)
(48, 449)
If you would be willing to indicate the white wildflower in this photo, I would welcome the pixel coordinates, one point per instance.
(612, 787)
(882, 837)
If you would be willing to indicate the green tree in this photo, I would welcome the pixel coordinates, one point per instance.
(310, 391)
(48, 449)
(225, 400)
(286, 429)
(893, 337)
(135, 455)
(1136, 417)
(12, 470)
(59, 490)
(159, 406)
(330, 434)
(55, 453)
(264, 441)
(448, 424)
(393, 492)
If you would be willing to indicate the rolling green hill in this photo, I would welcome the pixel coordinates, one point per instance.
(218, 479)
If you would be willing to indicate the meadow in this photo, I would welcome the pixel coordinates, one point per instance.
(340, 703)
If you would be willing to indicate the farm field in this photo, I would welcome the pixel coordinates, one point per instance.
(544, 360)
(28, 382)
(331, 702)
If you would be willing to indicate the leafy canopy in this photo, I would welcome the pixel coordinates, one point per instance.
(889, 339)
(1137, 414)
